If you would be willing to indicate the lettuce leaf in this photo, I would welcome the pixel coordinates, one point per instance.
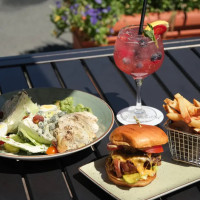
(16, 108)
(33, 136)
(25, 146)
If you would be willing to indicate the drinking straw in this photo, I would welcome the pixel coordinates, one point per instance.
(142, 17)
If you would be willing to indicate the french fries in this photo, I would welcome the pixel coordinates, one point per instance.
(175, 117)
(196, 103)
(183, 107)
(173, 104)
(180, 109)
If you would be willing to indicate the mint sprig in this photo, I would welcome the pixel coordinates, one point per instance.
(150, 34)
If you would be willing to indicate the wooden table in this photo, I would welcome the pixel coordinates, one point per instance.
(93, 71)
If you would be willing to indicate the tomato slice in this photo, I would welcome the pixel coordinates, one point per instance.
(154, 149)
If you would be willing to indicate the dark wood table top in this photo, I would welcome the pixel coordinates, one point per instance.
(91, 70)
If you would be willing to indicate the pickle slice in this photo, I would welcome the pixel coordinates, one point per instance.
(131, 178)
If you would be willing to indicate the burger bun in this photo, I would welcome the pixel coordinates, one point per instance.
(138, 136)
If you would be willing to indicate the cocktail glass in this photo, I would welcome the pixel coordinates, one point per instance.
(139, 57)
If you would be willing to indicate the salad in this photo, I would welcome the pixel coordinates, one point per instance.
(27, 128)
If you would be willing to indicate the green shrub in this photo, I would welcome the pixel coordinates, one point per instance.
(96, 18)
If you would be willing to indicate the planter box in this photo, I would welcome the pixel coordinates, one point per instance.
(184, 25)
(79, 43)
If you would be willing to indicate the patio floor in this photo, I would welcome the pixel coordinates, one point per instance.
(26, 28)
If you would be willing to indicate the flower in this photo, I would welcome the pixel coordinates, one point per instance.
(58, 4)
(98, 1)
(93, 20)
(96, 18)
(64, 18)
(106, 10)
(57, 18)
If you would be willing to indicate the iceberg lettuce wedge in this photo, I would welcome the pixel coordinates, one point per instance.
(16, 108)
(26, 135)
(33, 135)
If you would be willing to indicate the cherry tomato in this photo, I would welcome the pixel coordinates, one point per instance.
(155, 149)
(51, 150)
(38, 118)
(1, 142)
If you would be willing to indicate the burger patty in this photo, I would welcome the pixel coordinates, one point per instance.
(120, 168)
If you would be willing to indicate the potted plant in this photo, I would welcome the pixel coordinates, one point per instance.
(89, 20)
(97, 22)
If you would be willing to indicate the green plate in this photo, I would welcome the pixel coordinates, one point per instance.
(49, 95)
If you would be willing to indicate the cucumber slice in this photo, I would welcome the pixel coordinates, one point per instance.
(131, 178)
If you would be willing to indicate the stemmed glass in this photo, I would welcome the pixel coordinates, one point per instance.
(139, 57)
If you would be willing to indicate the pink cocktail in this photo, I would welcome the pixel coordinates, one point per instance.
(139, 57)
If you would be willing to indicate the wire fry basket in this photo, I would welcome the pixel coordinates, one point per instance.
(184, 147)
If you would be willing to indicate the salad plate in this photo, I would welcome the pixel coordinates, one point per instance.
(48, 96)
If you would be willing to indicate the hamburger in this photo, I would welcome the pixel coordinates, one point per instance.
(135, 154)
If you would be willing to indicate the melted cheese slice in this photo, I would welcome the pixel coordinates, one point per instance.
(139, 164)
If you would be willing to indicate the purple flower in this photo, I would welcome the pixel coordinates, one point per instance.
(58, 4)
(76, 5)
(112, 30)
(94, 15)
(74, 8)
(93, 20)
(92, 12)
(98, 1)
(87, 6)
(64, 18)
(106, 10)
